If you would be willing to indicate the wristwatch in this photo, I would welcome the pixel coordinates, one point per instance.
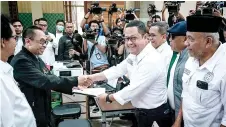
(108, 99)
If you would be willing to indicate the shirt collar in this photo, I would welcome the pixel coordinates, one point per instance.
(142, 54)
(162, 47)
(210, 63)
(5, 67)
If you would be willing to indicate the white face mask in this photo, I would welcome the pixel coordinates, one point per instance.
(60, 28)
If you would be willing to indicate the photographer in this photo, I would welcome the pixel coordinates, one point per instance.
(67, 43)
(173, 17)
(116, 46)
(99, 17)
(98, 58)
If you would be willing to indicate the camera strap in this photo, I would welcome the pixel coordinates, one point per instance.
(93, 47)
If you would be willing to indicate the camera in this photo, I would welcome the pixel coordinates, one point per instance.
(113, 8)
(152, 10)
(129, 16)
(96, 9)
(208, 8)
(114, 38)
(117, 36)
(90, 34)
(173, 6)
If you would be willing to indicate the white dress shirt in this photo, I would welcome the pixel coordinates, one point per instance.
(205, 107)
(166, 51)
(19, 45)
(170, 92)
(147, 75)
(58, 36)
(15, 110)
(48, 55)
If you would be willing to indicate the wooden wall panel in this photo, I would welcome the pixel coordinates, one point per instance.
(24, 6)
(52, 7)
(106, 4)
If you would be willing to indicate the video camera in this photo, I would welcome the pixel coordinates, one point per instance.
(96, 9)
(90, 34)
(173, 6)
(152, 10)
(113, 8)
(129, 16)
(114, 38)
(209, 6)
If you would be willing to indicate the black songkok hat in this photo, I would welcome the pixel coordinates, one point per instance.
(204, 23)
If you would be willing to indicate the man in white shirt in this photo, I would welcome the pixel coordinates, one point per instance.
(157, 36)
(17, 24)
(15, 110)
(48, 56)
(204, 78)
(146, 70)
(59, 33)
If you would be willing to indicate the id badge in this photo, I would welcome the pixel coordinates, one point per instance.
(98, 56)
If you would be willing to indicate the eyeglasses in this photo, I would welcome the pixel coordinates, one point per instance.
(172, 36)
(14, 37)
(42, 41)
(42, 25)
(132, 39)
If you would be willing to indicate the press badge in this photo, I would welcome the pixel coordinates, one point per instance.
(98, 56)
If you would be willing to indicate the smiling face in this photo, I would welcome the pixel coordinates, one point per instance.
(156, 37)
(37, 44)
(134, 41)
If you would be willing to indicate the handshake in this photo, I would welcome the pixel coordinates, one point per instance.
(84, 81)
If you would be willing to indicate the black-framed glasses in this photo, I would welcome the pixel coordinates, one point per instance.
(43, 25)
(14, 37)
(172, 36)
(132, 39)
(42, 41)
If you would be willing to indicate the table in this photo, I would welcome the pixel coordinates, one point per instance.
(113, 108)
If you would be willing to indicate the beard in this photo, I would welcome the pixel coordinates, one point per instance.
(196, 55)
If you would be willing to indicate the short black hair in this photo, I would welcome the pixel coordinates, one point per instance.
(94, 21)
(16, 20)
(5, 26)
(36, 21)
(117, 28)
(43, 19)
(139, 24)
(156, 17)
(117, 20)
(60, 20)
(29, 32)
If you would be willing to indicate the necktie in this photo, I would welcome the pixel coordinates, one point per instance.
(17, 38)
(171, 65)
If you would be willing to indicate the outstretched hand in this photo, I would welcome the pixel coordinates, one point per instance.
(84, 81)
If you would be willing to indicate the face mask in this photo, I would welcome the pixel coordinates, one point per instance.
(60, 28)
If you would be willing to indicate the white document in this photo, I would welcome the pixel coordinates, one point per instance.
(90, 91)
(113, 82)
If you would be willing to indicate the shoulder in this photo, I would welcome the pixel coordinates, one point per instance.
(52, 35)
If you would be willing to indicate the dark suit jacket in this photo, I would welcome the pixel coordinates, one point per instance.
(36, 82)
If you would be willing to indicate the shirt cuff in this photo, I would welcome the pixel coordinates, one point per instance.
(118, 98)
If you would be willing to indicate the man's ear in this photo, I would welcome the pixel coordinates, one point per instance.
(209, 42)
(2, 43)
(26, 41)
(164, 36)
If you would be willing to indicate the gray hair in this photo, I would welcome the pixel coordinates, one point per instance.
(214, 36)
(163, 26)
